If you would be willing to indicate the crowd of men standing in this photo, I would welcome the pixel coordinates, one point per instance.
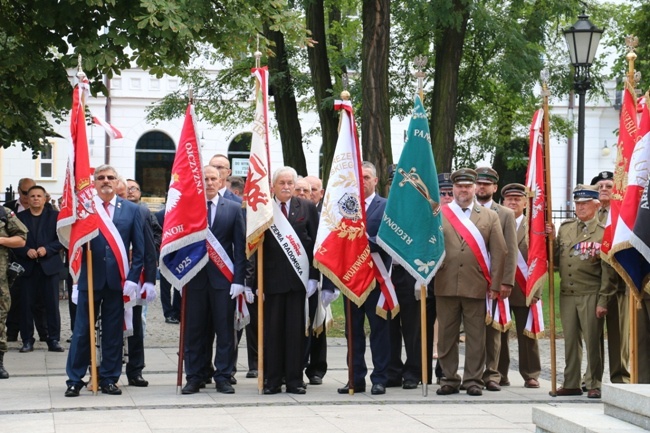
(483, 242)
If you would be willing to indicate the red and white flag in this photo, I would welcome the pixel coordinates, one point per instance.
(626, 259)
(77, 221)
(533, 273)
(257, 191)
(627, 138)
(183, 251)
(342, 251)
(112, 131)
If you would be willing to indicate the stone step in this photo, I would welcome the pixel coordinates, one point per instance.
(579, 419)
(627, 402)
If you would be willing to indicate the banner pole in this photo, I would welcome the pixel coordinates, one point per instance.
(91, 319)
(181, 342)
(260, 318)
(423, 339)
(348, 329)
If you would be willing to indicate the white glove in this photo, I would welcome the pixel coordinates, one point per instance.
(329, 296)
(248, 293)
(418, 291)
(130, 290)
(75, 294)
(150, 292)
(236, 290)
(312, 286)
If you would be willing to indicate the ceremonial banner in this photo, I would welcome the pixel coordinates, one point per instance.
(536, 266)
(112, 131)
(77, 221)
(640, 239)
(627, 138)
(625, 257)
(341, 251)
(257, 191)
(183, 251)
(411, 229)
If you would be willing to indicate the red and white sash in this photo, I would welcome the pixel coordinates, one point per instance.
(387, 298)
(521, 274)
(471, 235)
(290, 243)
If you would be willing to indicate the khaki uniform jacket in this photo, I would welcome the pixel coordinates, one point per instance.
(460, 273)
(577, 256)
(509, 228)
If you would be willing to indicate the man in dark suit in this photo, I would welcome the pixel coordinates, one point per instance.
(210, 294)
(42, 262)
(379, 330)
(13, 318)
(222, 163)
(109, 289)
(170, 297)
(284, 289)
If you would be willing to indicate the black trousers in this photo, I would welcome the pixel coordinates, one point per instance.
(42, 289)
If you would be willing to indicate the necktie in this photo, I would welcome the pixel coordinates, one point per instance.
(106, 204)
(209, 213)
(283, 208)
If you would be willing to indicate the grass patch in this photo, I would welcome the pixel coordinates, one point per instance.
(338, 326)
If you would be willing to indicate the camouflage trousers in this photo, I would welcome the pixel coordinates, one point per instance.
(5, 304)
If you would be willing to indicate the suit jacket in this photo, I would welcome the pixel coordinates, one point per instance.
(45, 236)
(229, 229)
(231, 196)
(509, 229)
(128, 221)
(150, 250)
(460, 273)
(374, 214)
(279, 276)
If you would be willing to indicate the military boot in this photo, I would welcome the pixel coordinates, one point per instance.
(3, 373)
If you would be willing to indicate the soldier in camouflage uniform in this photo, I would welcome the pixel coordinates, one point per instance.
(13, 234)
(586, 285)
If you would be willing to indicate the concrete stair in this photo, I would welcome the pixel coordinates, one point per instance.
(626, 409)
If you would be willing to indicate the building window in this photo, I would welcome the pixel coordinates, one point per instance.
(46, 161)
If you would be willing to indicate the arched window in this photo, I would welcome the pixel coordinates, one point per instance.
(154, 157)
(239, 152)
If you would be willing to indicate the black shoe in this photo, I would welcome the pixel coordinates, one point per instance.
(274, 390)
(297, 390)
(172, 320)
(138, 381)
(111, 389)
(224, 388)
(191, 387)
(54, 346)
(409, 384)
(73, 390)
(233, 380)
(251, 374)
(69, 340)
(315, 380)
(378, 389)
(28, 346)
(357, 388)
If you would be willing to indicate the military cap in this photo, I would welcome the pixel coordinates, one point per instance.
(444, 180)
(584, 193)
(513, 189)
(487, 174)
(603, 175)
(463, 176)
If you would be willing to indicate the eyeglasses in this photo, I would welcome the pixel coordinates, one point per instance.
(133, 188)
(221, 167)
(23, 192)
(302, 189)
(102, 177)
(446, 193)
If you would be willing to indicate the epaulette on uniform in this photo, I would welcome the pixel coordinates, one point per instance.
(570, 220)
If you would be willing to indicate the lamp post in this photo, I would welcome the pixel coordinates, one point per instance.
(582, 39)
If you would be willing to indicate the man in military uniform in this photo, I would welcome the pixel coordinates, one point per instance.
(617, 320)
(514, 198)
(586, 284)
(475, 254)
(13, 234)
(486, 186)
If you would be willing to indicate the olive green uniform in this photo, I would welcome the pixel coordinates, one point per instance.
(586, 282)
(8, 228)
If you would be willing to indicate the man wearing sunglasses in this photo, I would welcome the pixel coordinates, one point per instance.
(115, 280)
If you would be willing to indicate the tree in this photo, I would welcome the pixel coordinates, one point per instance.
(40, 40)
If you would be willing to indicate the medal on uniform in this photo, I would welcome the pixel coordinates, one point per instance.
(576, 249)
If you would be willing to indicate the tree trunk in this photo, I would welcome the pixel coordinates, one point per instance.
(286, 108)
(449, 51)
(375, 126)
(322, 82)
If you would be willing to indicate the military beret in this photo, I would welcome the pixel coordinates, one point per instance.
(513, 189)
(487, 174)
(463, 176)
(584, 193)
(603, 175)
(444, 180)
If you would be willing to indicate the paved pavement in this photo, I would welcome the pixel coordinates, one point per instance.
(32, 399)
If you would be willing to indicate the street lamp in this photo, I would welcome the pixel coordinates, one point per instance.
(582, 39)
